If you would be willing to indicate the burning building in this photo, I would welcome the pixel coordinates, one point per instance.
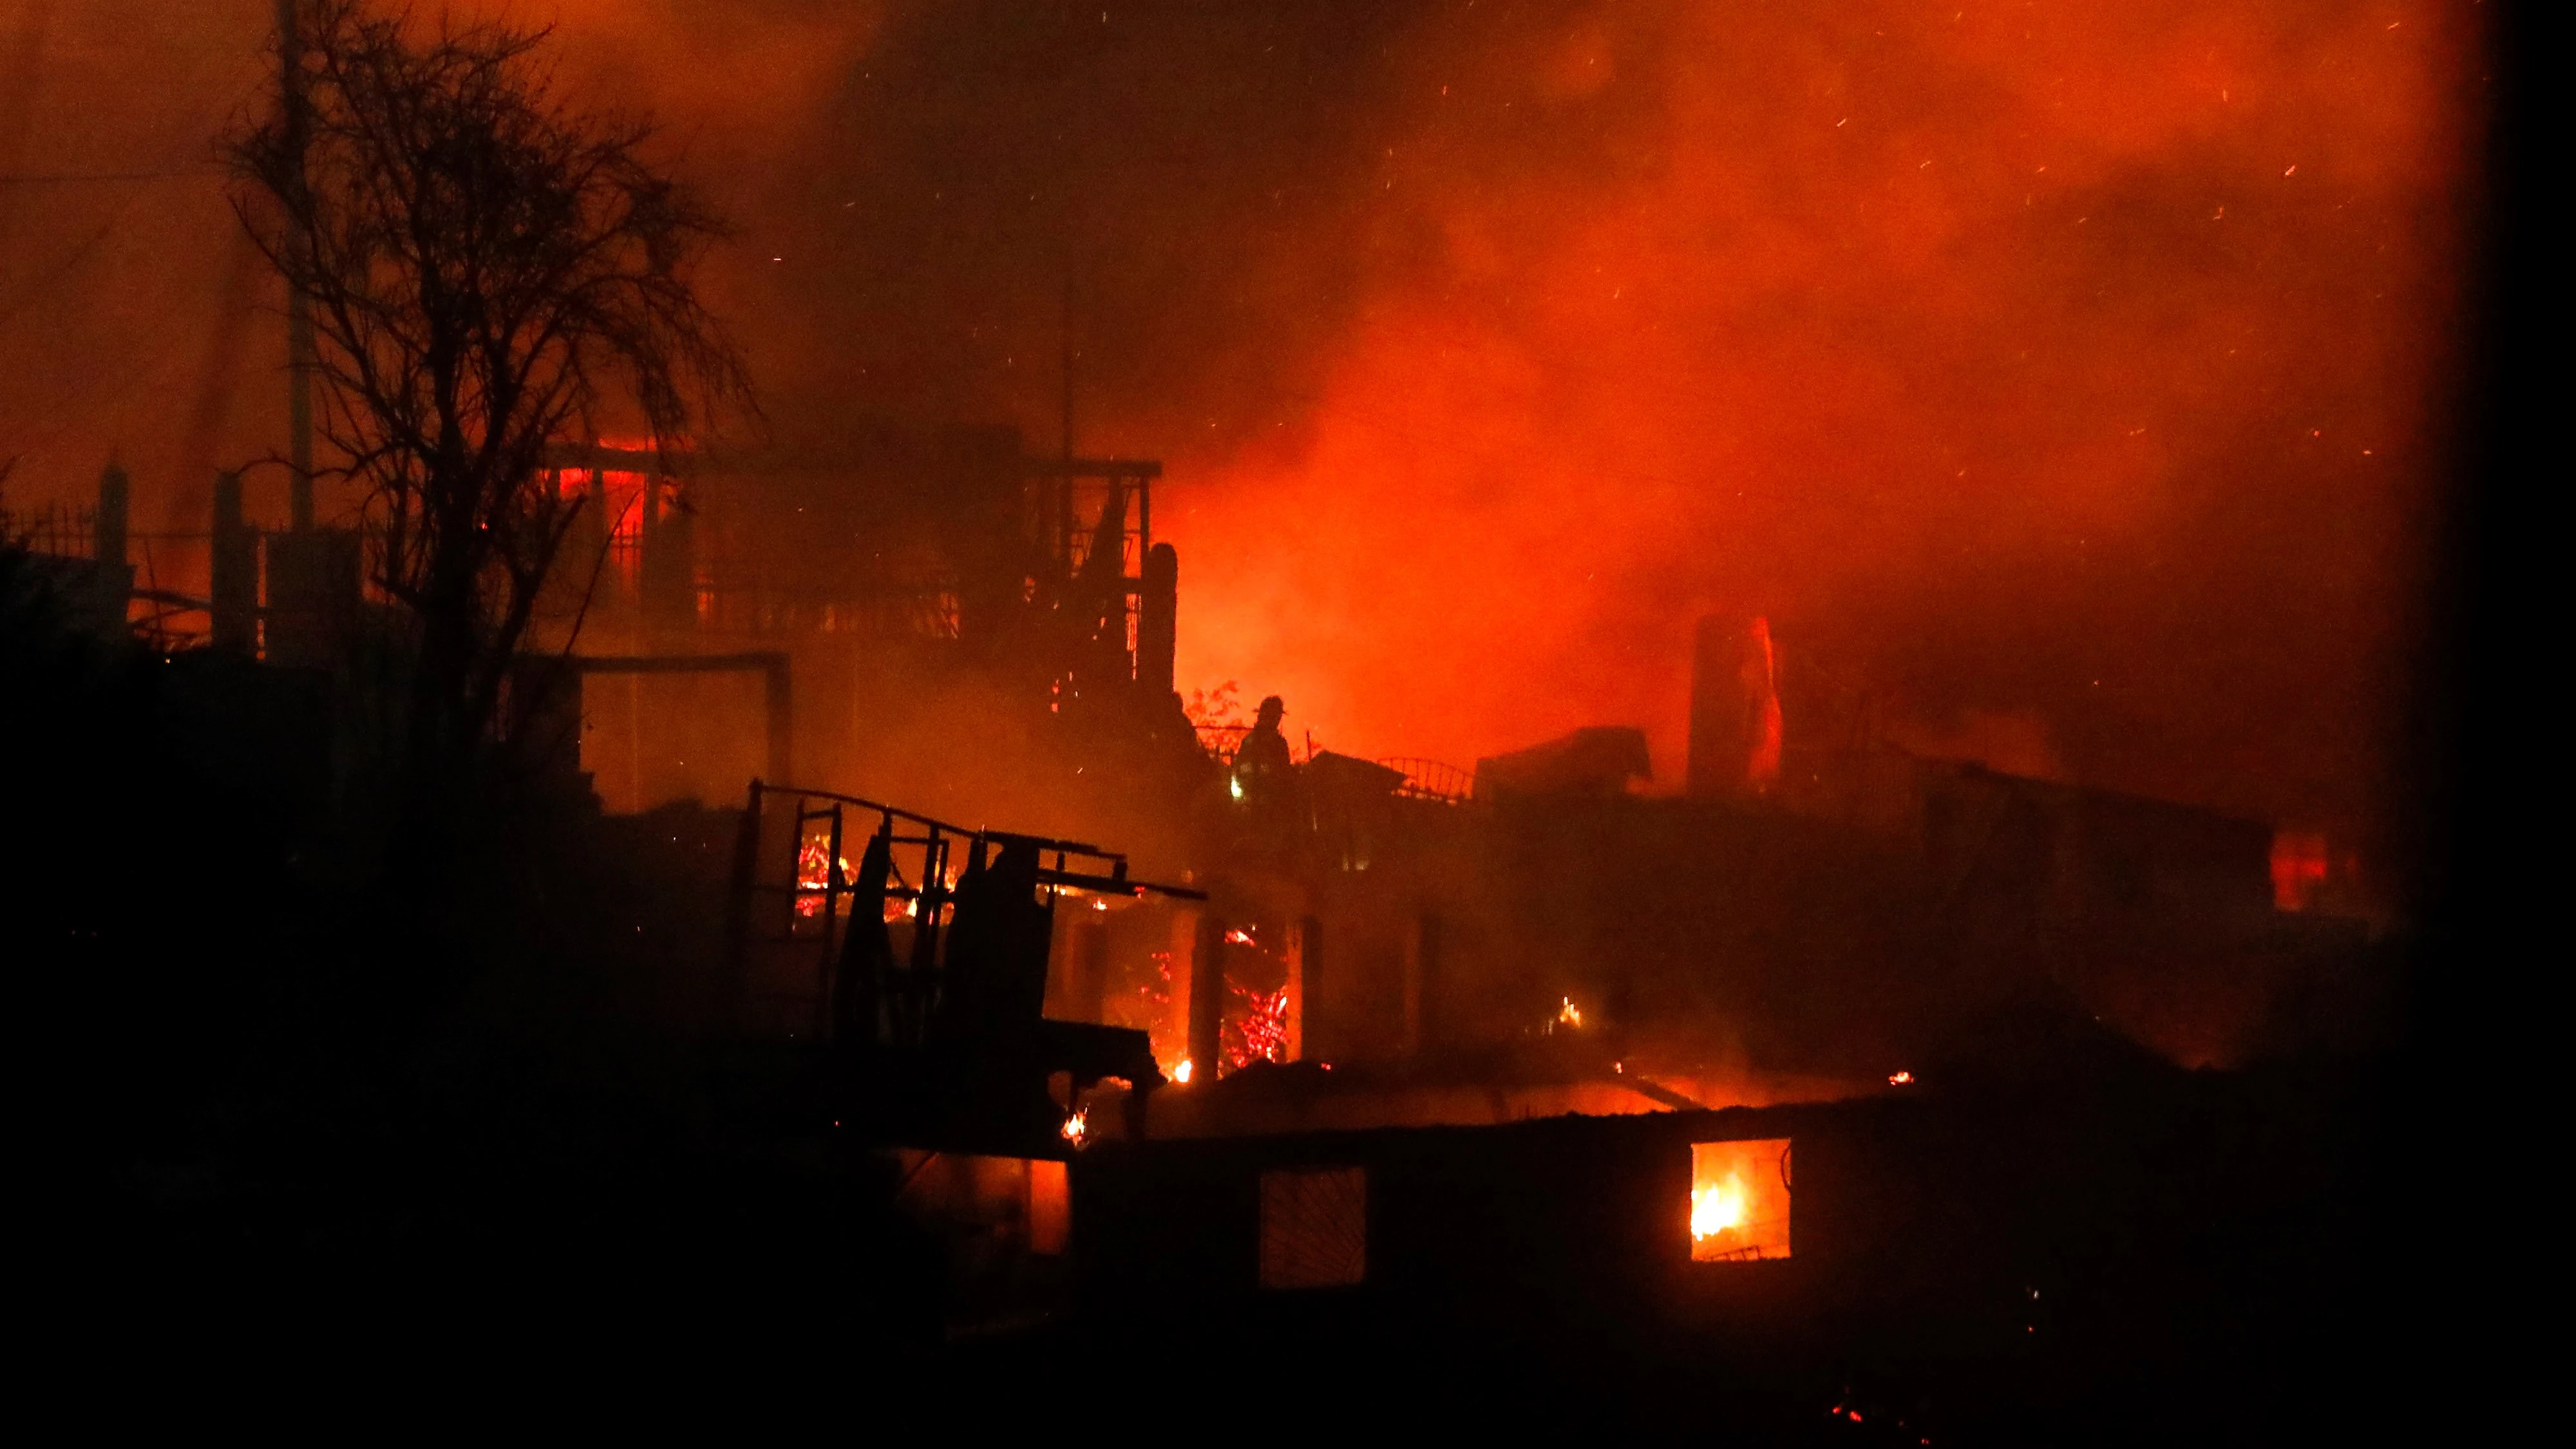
(1819, 911)
(976, 628)
(995, 632)
(1668, 1270)
(1822, 1047)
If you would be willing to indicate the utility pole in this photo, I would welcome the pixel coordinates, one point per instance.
(1067, 330)
(299, 308)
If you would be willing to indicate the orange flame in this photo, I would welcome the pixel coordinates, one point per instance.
(1717, 1207)
(1739, 1202)
(812, 876)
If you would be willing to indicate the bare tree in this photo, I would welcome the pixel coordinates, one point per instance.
(488, 270)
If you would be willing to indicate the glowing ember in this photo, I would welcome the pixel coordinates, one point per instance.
(1181, 1071)
(1900, 1079)
(1155, 1002)
(811, 876)
(1077, 1127)
(1570, 1014)
(1259, 1033)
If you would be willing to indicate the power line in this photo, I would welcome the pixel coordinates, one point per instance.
(74, 178)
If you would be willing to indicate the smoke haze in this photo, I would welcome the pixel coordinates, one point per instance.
(2077, 364)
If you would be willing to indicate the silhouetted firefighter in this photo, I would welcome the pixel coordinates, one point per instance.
(997, 950)
(867, 953)
(1262, 764)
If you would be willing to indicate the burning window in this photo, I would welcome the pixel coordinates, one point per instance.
(1739, 1200)
(1314, 1227)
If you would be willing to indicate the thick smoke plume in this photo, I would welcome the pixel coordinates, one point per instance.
(2077, 365)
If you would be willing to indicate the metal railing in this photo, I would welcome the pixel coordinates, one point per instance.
(794, 892)
(1436, 780)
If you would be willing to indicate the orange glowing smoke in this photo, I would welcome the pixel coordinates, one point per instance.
(2051, 354)
(2003, 347)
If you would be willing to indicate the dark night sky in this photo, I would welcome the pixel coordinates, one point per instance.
(2070, 367)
